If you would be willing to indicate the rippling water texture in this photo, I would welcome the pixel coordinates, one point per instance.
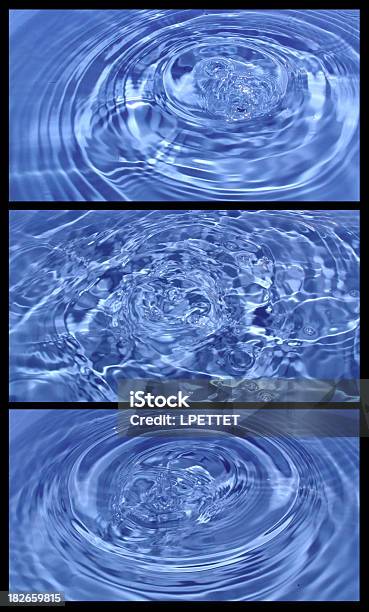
(101, 296)
(188, 104)
(101, 516)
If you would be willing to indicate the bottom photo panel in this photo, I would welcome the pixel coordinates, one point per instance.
(264, 507)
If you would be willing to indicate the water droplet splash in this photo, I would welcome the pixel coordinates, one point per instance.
(233, 92)
(185, 105)
(169, 516)
(221, 294)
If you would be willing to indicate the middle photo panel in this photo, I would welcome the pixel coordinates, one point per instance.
(263, 304)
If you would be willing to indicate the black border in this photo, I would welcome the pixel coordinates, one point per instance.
(198, 205)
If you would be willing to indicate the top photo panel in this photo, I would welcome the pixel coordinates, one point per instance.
(184, 105)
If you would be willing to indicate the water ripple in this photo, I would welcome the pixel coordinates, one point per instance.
(185, 104)
(172, 517)
(101, 296)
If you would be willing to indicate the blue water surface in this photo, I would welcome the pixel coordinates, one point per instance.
(97, 297)
(184, 105)
(169, 516)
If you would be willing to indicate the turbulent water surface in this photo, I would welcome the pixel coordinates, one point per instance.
(101, 296)
(184, 104)
(172, 516)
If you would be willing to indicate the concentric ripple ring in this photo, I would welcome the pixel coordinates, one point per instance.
(169, 516)
(185, 105)
(97, 297)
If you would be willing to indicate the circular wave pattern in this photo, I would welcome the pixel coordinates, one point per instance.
(101, 296)
(170, 516)
(175, 105)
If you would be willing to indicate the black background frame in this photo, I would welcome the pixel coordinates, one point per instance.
(7, 205)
